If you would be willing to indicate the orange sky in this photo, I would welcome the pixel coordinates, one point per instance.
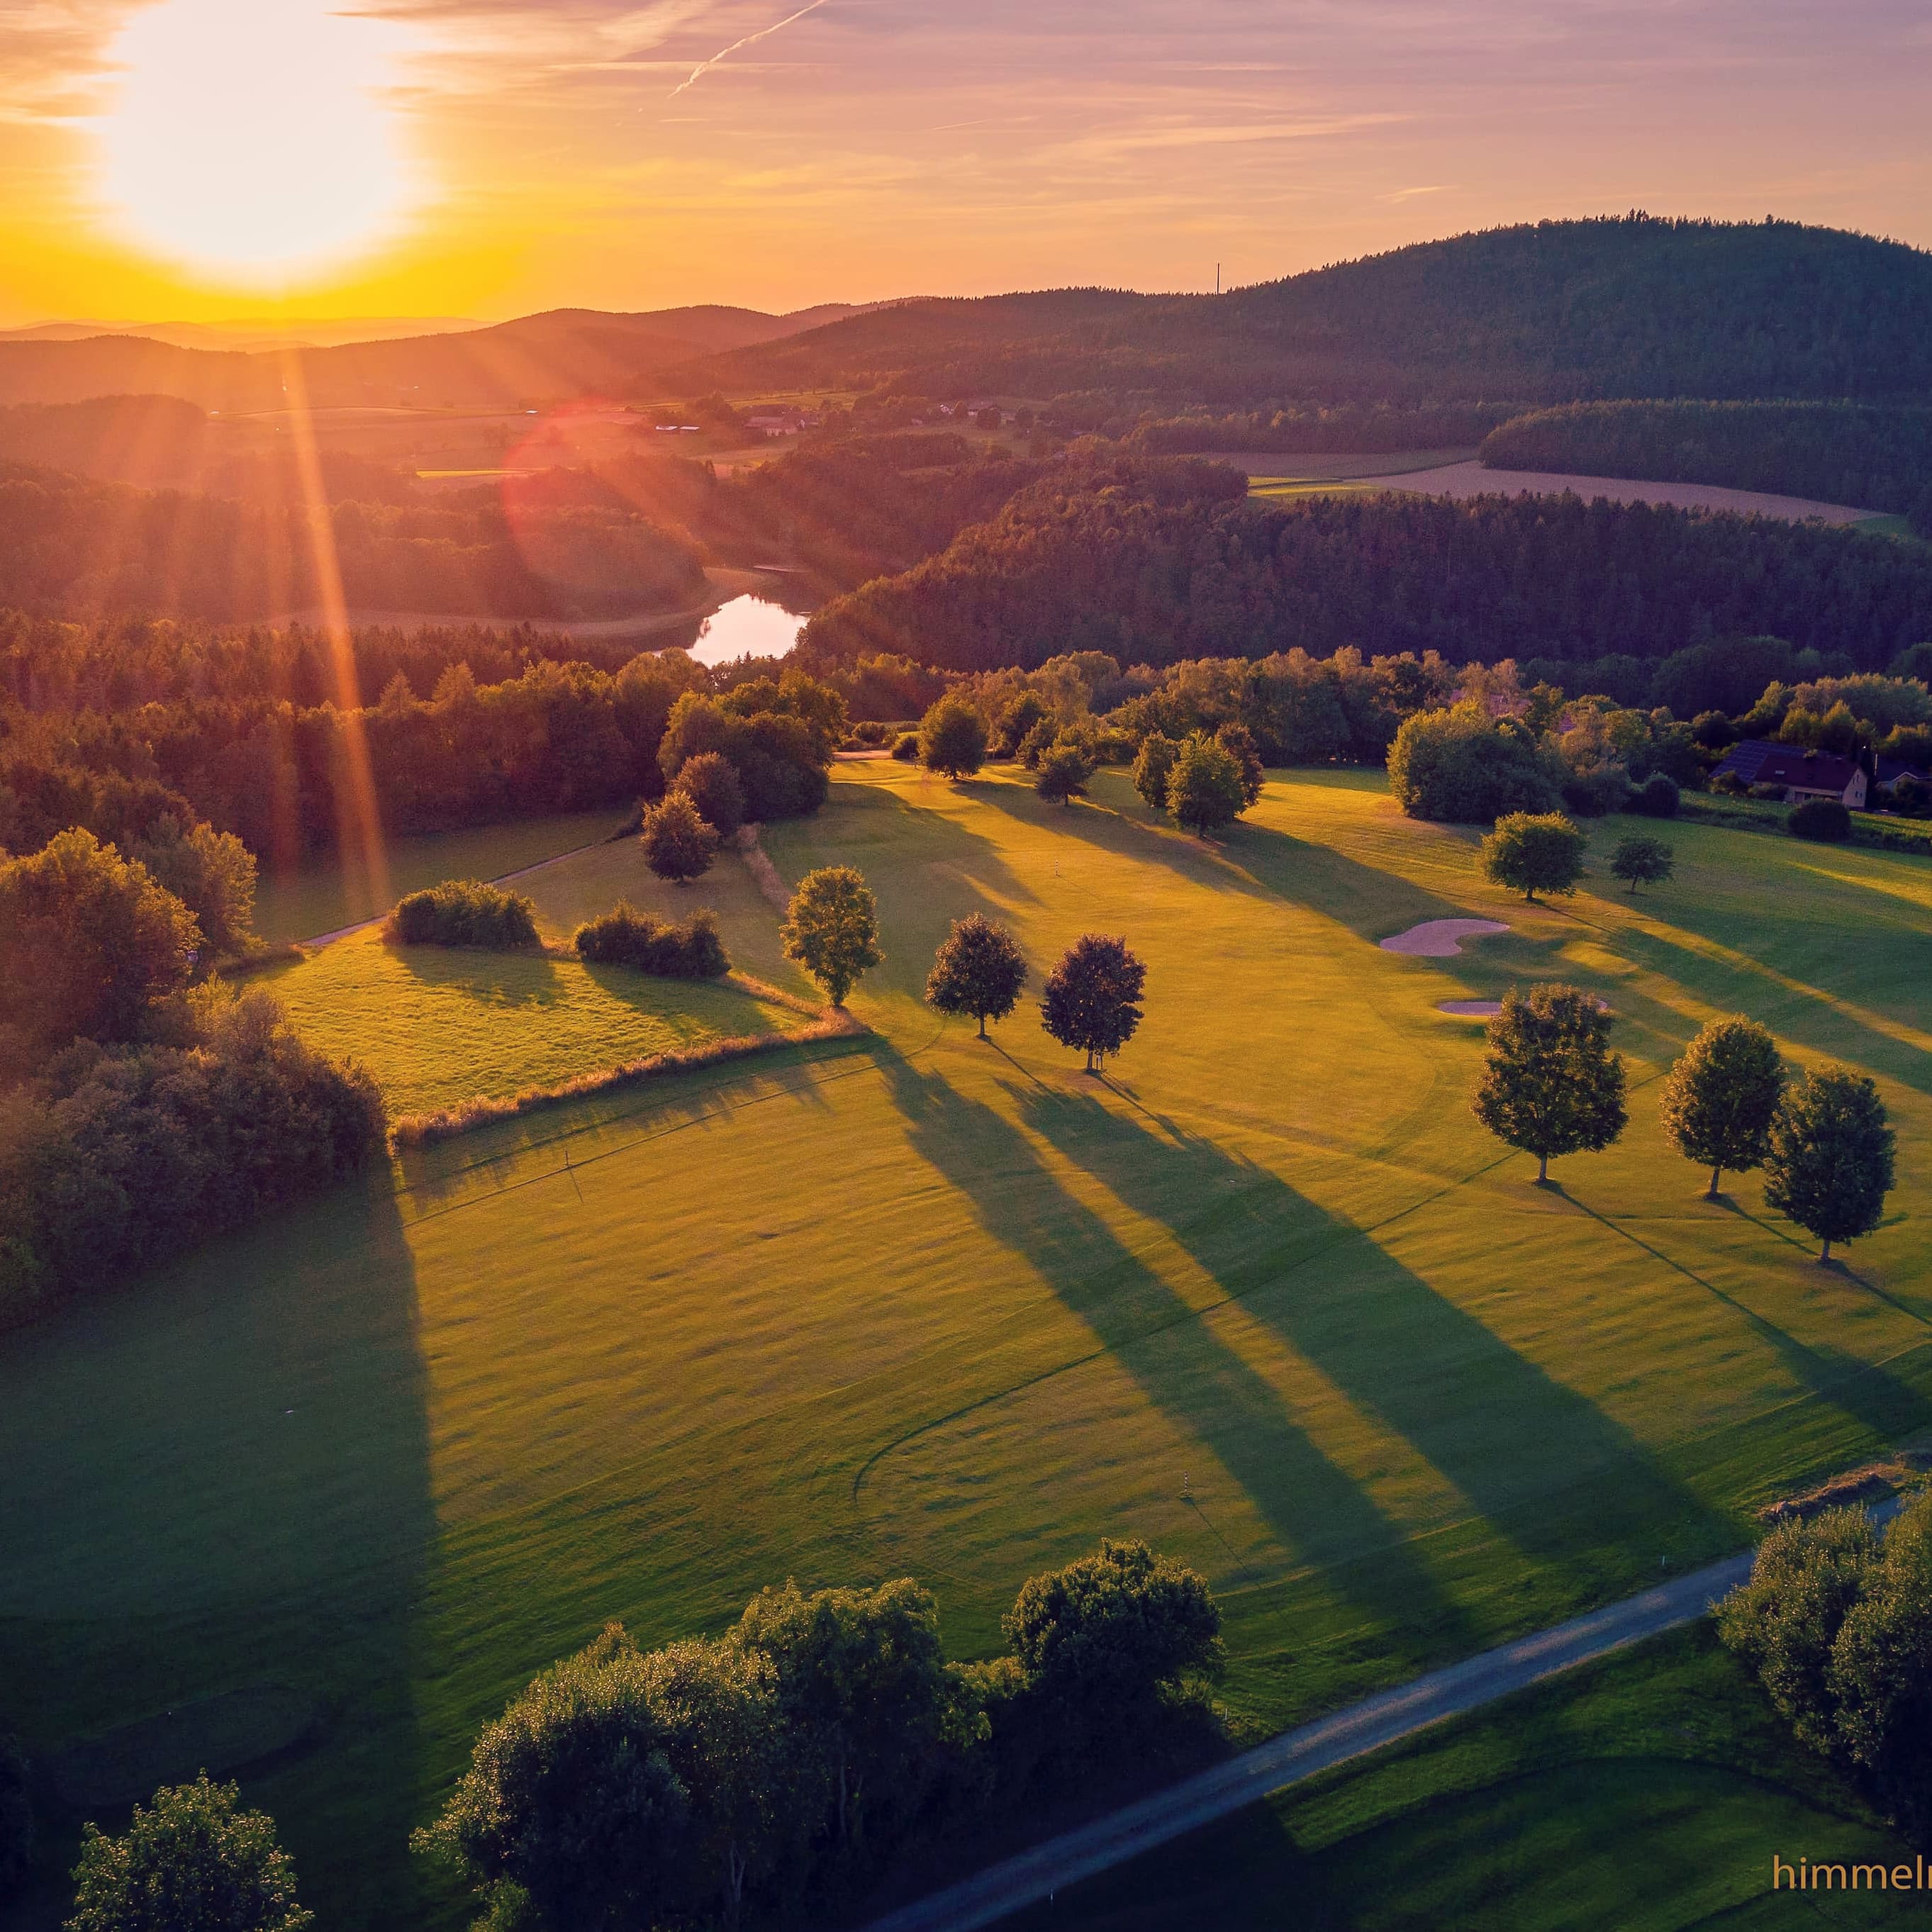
(519, 155)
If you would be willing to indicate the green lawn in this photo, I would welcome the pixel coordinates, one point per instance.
(438, 1025)
(914, 1303)
(1647, 1794)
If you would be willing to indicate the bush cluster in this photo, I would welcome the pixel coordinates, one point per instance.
(782, 1765)
(689, 950)
(1825, 819)
(464, 912)
(120, 1157)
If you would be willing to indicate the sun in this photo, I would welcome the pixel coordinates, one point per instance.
(250, 140)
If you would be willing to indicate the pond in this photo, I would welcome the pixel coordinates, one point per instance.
(747, 627)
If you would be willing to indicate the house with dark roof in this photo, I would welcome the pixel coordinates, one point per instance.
(1799, 773)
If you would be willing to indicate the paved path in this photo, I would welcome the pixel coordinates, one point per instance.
(1018, 1881)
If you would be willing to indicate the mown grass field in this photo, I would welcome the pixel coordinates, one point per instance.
(914, 1303)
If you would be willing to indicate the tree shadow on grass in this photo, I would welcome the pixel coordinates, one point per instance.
(249, 1507)
(1574, 1490)
(522, 978)
(1315, 1509)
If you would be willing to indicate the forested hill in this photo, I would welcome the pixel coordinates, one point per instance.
(1556, 311)
(1152, 561)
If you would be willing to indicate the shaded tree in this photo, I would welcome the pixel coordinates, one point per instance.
(193, 1860)
(831, 929)
(1721, 1097)
(1535, 852)
(1462, 765)
(1829, 1165)
(710, 782)
(1153, 765)
(678, 845)
(1642, 860)
(1018, 718)
(1063, 774)
(211, 873)
(1551, 1084)
(952, 738)
(1238, 741)
(1093, 996)
(89, 943)
(979, 970)
(1204, 789)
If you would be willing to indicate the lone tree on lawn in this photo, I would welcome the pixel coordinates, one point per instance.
(1092, 997)
(1153, 764)
(678, 845)
(1721, 1099)
(1204, 789)
(832, 928)
(1552, 1086)
(979, 970)
(1642, 860)
(1063, 772)
(194, 1861)
(1829, 1164)
(1532, 852)
(952, 738)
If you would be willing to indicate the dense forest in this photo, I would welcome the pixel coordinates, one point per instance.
(1857, 453)
(1152, 561)
(1554, 311)
(1354, 429)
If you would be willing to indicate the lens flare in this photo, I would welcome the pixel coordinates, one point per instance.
(250, 140)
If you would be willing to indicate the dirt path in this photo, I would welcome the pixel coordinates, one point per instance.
(1016, 1882)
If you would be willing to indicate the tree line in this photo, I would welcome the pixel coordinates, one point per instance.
(1153, 562)
(1875, 456)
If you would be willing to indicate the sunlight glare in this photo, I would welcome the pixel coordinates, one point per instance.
(249, 139)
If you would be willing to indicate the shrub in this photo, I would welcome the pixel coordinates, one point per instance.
(1535, 852)
(678, 845)
(1462, 765)
(193, 1861)
(118, 1160)
(906, 750)
(690, 950)
(1658, 797)
(952, 738)
(1821, 818)
(710, 782)
(831, 929)
(464, 912)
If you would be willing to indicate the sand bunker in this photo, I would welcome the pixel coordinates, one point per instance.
(1440, 938)
(1470, 1009)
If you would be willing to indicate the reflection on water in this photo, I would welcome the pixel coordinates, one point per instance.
(746, 627)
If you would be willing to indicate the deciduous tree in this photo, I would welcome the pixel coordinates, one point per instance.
(1532, 852)
(952, 738)
(979, 970)
(1829, 1165)
(1153, 766)
(1552, 1084)
(192, 1861)
(1064, 769)
(710, 782)
(678, 845)
(1721, 1097)
(1204, 789)
(831, 929)
(1238, 741)
(1093, 996)
(1642, 860)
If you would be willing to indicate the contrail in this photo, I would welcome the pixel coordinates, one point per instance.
(724, 53)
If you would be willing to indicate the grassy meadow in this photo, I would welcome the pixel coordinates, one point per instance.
(1265, 1293)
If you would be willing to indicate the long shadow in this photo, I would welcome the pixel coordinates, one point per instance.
(219, 1482)
(1572, 1489)
(1316, 1510)
(499, 978)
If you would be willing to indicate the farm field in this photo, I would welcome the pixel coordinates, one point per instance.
(914, 1303)
(1648, 1791)
(323, 897)
(437, 1025)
